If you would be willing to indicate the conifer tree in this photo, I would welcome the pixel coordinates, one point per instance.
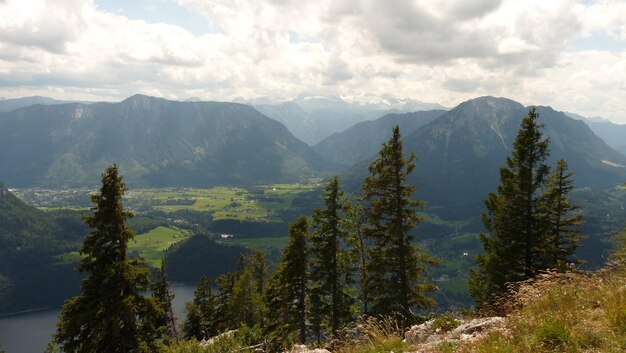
(563, 223)
(225, 286)
(516, 230)
(329, 263)
(202, 316)
(260, 268)
(287, 292)
(164, 296)
(354, 224)
(245, 301)
(396, 266)
(111, 314)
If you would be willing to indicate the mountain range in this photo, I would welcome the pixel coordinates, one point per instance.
(363, 140)
(7, 105)
(155, 142)
(313, 119)
(613, 134)
(460, 152)
(158, 142)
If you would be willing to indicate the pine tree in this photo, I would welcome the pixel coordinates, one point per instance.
(516, 230)
(110, 314)
(287, 292)
(245, 301)
(329, 262)
(202, 317)
(164, 296)
(225, 285)
(260, 268)
(279, 331)
(354, 224)
(563, 222)
(396, 266)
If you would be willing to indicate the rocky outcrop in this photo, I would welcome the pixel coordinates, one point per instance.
(300, 348)
(226, 335)
(426, 336)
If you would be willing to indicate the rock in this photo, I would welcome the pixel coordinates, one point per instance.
(227, 334)
(477, 325)
(418, 333)
(301, 348)
(426, 338)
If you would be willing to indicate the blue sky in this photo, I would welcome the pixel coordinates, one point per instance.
(569, 54)
(159, 11)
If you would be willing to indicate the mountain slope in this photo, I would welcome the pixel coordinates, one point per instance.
(460, 153)
(7, 105)
(156, 142)
(613, 134)
(364, 139)
(29, 240)
(313, 119)
(465, 148)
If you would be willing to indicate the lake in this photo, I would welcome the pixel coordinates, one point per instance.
(31, 332)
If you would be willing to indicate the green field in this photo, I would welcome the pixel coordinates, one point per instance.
(149, 246)
(258, 203)
(255, 203)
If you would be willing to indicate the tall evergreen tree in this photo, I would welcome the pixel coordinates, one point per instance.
(563, 222)
(164, 296)
(516, 230)
(287, 292)
(245, 303)
(225, 286)
(329, 264)
(202, 317)
(110, 314)
(354, 224)
(260, 268)
(396, 265)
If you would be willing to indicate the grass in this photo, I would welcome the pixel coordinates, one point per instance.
(149, 246)
(256, 203)
(375, 336)
(223, 202)
(574, 312)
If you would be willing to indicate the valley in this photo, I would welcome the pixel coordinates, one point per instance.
(201, 207)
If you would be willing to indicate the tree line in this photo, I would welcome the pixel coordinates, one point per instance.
(351, 258)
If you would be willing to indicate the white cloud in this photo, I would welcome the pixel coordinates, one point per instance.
(443, 51)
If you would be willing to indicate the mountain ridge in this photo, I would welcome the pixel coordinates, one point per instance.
(157, 142)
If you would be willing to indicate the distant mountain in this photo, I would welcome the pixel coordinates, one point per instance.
(156, 142)
(7, 105)
(312, 119)
(613, 134)
(363, 140)
(459, 154)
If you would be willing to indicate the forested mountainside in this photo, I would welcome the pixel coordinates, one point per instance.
(156, 141)
(362, 141)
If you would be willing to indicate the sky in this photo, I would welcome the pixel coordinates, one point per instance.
(569, 54)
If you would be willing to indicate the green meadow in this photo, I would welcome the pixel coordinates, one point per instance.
(150, 246)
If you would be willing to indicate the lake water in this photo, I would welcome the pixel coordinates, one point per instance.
(31, 332)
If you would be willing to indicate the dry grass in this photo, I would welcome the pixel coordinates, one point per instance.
(570, 312)
(373, 335)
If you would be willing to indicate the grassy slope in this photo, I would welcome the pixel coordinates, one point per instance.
(583, 312)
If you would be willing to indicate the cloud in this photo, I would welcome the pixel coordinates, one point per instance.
(32, 23)
(443, 51)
